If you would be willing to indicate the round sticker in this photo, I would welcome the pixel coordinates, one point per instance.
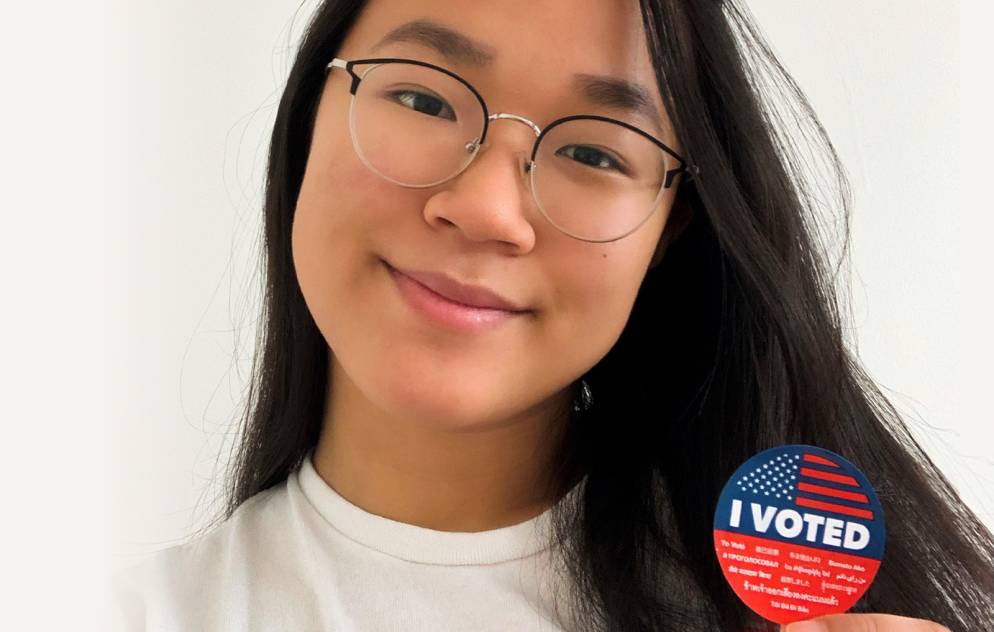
(799, 533)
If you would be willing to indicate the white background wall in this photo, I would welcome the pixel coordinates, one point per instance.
(134, 138)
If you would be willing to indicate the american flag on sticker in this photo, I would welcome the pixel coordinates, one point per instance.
(807, 480)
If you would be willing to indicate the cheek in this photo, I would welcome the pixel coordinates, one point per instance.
(589, 312)
(329, 233)
(340, 201)
(603, 310)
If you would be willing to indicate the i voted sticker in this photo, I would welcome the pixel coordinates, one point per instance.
(799, 533)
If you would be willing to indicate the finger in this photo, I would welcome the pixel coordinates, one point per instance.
(865, 623)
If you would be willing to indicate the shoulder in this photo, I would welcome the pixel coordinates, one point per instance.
(171, 587)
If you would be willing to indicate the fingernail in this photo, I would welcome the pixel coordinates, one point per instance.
(807, 626)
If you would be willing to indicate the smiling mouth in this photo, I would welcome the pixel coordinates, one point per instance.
(470, 295)
(442, 311)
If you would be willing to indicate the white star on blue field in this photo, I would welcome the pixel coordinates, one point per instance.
(775, 478)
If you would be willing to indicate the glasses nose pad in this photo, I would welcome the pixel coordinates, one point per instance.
(474, 145)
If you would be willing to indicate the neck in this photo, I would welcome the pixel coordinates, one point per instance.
(436, 473)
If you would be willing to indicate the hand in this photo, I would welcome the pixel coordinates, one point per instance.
(864, 623)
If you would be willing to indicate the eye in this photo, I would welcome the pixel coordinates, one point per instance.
(593, 157)
(423, 102)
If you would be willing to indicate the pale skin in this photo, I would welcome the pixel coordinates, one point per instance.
(443, 429)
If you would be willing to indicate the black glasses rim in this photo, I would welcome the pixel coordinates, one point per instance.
(686, 167)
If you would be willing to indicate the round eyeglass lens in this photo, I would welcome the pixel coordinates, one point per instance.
(414, 125)
(598, 180)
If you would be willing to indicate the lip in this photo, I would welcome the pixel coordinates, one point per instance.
(463, 293)
(445, 311)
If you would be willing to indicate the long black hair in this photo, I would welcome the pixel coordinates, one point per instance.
(735, 344)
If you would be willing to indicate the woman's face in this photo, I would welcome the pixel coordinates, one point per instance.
(482, 227)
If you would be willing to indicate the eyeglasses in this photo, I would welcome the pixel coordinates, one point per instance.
(595, 178)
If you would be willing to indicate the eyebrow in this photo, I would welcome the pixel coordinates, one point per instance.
(603, 90)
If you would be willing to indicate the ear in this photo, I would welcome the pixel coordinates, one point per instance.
(680, 216)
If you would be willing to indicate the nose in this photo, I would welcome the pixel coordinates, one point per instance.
(491, 199)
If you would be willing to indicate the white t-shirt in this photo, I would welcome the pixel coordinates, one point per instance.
(301, 557)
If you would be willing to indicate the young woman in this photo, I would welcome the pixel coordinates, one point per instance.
(540, 277)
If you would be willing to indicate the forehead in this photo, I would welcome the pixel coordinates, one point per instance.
(587, 51)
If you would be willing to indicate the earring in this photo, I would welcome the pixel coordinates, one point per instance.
(585, 398)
